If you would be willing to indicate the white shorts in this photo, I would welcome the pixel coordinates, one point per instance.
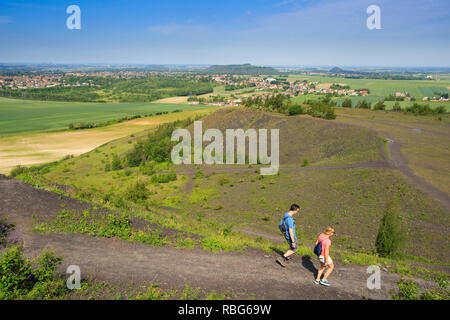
(322, 259)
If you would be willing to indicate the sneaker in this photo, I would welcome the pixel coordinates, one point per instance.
(316, 281)
(282, 261)
(325, 283)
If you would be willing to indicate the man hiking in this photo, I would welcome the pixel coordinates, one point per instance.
(287, 227)
(324, 257)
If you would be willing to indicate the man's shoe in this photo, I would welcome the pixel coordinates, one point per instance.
(316, 281)
(282, 261)
(325, 283)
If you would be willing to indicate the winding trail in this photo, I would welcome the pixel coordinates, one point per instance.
(253, 274)
(400, 162)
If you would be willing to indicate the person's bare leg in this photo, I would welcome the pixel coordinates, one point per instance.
(320, 271)
(329, 271)
(289, 253)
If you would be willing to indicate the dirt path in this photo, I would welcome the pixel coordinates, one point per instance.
(253, 274)
(400, 162)
(374, 164)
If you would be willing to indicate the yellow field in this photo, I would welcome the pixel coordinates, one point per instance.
(41, 147)
(173, 100)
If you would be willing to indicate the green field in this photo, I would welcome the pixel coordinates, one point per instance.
(383, 88)
(17, 116)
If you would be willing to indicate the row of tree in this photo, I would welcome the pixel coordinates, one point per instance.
(416, 108)
(323, 108)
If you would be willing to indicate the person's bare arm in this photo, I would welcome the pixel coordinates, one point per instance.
(327, 254)
(291, 233)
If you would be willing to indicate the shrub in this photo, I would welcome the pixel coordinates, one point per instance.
(152, 237)
(330, 114)
(227, 230)
(136, 157)
(223, 181)
(295, 109)
(190, 293)
(425, 109)
(147, 168)
(363, 104)
(440, 110)
(158, 145)
(379, 106)
(408, 290)
(154, 292)
(397, 107)
(18, 170)
(15, 273)
(47, 263)
(19, 280)
(347, 103)
(212, 243)
(136, 192)
(164, 178)
(116, 164)
(321, 109)
(116, 226)
(389, 238)
(305, 163)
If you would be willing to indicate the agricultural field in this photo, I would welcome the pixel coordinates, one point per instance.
(18, 116)
(31, 148)
(383, 88)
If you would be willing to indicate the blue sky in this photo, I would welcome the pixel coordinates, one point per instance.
(262, 32)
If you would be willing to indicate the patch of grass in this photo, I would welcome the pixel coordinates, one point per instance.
(99, 224)
(409, 290)
(154, 292)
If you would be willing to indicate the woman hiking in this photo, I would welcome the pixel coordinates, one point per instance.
(324, 258)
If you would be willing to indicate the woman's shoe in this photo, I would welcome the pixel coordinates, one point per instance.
(325, 283)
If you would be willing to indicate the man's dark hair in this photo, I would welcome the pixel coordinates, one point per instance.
(295, 207)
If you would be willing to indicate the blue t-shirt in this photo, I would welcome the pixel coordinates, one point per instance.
(290, 224)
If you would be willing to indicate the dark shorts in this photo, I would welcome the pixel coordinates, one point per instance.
(290, 245)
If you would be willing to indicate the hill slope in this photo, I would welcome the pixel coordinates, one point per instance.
(347, 183)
